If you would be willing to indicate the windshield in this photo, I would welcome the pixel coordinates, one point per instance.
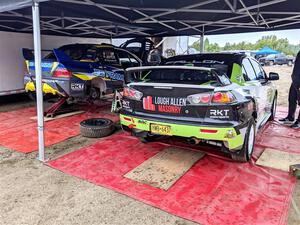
(176, 76)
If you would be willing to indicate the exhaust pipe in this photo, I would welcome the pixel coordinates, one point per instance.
(193, 141)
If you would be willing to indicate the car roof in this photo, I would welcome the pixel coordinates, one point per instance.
(86, 45)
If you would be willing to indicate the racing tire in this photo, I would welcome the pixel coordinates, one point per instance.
(273, 109)
(244, 155)
(31, 95)
(96, 127)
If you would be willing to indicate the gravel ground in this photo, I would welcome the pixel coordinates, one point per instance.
(32, 193)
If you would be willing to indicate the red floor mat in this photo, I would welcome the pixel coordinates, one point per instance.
(18, 132)
(213, 191)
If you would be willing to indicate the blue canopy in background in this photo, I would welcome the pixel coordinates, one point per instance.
(266, 51)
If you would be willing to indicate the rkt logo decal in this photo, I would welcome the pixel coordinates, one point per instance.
(219, 114)
(147, 104)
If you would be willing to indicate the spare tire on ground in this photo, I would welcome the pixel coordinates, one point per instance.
(96, 127)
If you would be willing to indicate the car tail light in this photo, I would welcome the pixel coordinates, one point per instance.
(223, 97)
(214, 97)
(132, 93)
(203, 98)
(62, 72)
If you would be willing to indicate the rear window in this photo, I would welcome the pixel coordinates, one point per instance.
(74, 52)
(176, 76)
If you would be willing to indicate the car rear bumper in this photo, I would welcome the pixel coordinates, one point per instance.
(53, 87)
(233, 138)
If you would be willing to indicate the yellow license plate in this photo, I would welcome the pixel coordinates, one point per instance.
(160, 129)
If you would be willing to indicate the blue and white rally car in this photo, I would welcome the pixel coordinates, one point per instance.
(80, 70)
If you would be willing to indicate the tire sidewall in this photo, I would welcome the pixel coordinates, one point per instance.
(96, 131)
(245, 150)
(274, 107)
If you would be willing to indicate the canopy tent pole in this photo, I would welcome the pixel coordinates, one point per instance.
(38, 77)
(202, 43)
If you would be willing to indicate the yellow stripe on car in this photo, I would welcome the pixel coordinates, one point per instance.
(84, 76)
(27, 65)
(55, 64)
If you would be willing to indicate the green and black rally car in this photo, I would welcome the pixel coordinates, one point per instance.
(217, 98)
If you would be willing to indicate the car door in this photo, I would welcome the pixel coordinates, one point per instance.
(254, 88)
(114, 73)
(265, 91)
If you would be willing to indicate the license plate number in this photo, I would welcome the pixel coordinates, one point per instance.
(160, 129)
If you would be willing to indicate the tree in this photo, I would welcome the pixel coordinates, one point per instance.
(281, 45)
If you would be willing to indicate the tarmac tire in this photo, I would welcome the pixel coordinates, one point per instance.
(244, 155)
(96, 127)
(31, 95)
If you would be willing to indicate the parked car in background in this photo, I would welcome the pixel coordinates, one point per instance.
(80, 70)
(216, 98)
(277, 59)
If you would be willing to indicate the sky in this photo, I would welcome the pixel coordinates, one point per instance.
(292, 35)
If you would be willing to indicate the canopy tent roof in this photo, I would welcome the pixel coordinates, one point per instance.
(266, 51)
(121, 18)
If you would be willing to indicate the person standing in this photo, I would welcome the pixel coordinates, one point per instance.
(294, 96)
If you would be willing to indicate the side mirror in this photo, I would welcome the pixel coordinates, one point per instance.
(273, 76)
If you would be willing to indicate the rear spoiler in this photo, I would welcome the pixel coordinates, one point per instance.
(28, 54)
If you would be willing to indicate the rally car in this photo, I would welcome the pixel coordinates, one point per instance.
(218, 98)
(80, 71)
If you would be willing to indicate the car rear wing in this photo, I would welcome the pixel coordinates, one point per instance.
(222, 79)
(28, 54)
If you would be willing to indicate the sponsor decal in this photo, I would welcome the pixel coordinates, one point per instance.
(142, 121)
(219, 113)
(99, 73)
(169, 109)
(126, 104)
(147, 104)
(108, 74)
(164, 104)
(43, 64)
(77, 86)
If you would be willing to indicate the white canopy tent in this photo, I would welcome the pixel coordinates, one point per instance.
(132, 18)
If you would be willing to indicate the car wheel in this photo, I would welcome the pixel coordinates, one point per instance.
(244, 155)
(273, 109)
(31, 95)
(271, 63)
(96, 127)
(289, 63)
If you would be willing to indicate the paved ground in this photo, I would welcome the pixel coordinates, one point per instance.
(32, 193)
